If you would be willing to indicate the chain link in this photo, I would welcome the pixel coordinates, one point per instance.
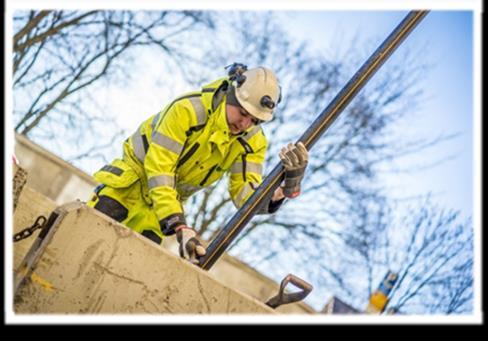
(27, 232)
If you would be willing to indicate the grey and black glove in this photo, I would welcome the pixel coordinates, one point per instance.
(295, 160)
(190, 246)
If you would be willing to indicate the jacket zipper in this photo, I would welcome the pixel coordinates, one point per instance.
(185, 157)
(208, 175)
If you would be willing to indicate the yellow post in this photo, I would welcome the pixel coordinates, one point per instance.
(379, 298)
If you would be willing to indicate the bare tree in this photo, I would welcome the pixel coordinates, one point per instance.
(435, 262)
(60, 58)
(429, 248)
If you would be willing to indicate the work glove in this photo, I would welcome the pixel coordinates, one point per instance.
(190, 247)
(295, 159)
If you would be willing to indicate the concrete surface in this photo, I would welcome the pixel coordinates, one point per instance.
(50, 175)
(20, 178)
(254, 283)
(95, 265)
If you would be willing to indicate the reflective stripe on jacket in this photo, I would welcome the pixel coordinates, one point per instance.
(187, 147)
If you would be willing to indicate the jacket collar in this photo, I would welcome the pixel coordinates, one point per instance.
(220, 132)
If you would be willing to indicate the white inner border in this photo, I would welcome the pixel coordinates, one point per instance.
(474, 5)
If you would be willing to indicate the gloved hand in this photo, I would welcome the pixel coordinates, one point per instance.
(295, 160)
(190, 247)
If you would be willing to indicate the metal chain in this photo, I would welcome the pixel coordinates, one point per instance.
(27, 232)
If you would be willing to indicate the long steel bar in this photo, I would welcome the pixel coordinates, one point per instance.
(311, 135)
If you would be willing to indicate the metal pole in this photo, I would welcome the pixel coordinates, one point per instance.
(311, 135)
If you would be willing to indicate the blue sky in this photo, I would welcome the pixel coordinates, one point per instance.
(446, 39)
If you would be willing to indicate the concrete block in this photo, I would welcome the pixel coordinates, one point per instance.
(95, 265)
(52, 176)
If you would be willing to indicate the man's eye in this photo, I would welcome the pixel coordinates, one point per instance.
(254, 120)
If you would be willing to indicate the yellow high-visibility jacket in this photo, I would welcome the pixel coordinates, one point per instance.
(186, 147)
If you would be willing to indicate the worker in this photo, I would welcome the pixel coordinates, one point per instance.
(188, 146)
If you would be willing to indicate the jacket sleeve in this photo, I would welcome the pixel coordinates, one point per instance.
(167, 143)
(246, 171)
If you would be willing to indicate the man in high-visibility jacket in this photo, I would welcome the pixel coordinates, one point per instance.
(188, 146)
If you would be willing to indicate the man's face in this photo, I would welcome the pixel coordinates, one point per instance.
(239, 119)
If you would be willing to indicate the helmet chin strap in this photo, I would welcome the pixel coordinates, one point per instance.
(231, 97)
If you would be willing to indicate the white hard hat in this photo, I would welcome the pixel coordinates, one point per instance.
(258, 92)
